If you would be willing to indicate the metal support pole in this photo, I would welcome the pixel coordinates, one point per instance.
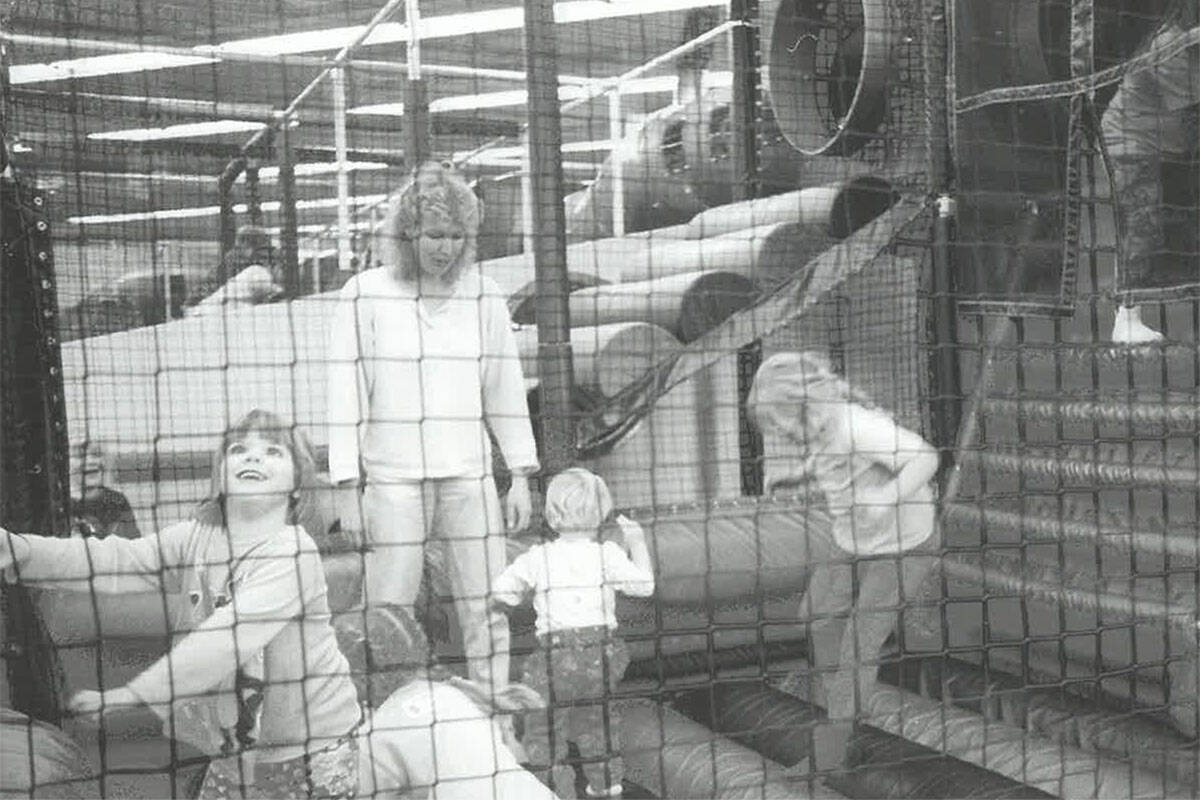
(743, 116)
(288, 235)
(555, 369)
(945, 407)
(743, 151)
(615, 160)
(343, 176)
(416, 97)
(253, 196)
(228, 225)
(526, 198)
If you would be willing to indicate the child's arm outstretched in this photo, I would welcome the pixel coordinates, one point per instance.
(272, 592)
(112, 565)
(631, 570)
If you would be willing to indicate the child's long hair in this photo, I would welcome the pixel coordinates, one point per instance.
(436, 191)
(794, 392)
(302, 504)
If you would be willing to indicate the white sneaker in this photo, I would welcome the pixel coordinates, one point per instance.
(613, 791)
(1128, 327)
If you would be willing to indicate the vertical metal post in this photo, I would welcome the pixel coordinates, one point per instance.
(945, 407)
(289, 250)
(228, 225)
(743, 152)
(526, 197)
(555, 368)
(416, 98)
(343, 176)
(743, 117)
(253, 195)
(615, 160)
(34, 485)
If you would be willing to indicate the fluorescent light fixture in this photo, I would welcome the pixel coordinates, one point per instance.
(184, 131)
(91, 66)
(517, 163)
(514, 97)
(315, 169)
(434, 27)
(195, 212)
(518, 153)
(597, 145)
(452, 25)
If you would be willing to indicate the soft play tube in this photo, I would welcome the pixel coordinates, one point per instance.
(1097, 725)
(779, 726)
(673, 756)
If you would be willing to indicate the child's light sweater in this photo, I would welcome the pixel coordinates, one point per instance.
(265, 598)
(574, 583)
(853, 468)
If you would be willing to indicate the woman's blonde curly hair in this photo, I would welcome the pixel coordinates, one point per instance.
(434, 190)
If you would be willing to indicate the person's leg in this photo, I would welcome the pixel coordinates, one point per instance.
(595, 727)
(826, 603)
(824, 609)
(883, 586)
(1132, 130)
(469, 519)
(546, 729)
(329, 774)
(228, 778)
(396, 522)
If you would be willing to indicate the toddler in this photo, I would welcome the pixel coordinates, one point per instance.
(580, 658)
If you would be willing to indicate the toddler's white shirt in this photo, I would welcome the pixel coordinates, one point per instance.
(574, 583)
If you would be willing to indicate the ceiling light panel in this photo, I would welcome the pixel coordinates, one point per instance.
(116, 64)
(183, 131)
(454, 25)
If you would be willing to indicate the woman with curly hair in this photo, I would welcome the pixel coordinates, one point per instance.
(423, 364)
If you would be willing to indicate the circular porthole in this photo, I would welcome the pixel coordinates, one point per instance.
(826, 72)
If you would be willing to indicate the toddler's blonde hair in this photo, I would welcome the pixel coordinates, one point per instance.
(577, 500)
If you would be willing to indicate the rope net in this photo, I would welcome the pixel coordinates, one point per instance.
(823, 333)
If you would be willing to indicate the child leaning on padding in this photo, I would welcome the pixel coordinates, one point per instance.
(580, 659)
(429, 733)
(876, 478)
(254, 678)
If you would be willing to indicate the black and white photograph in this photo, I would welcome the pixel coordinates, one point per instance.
(555, 399)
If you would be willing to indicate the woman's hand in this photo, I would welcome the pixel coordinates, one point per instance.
(518, 507)
(348, 506)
